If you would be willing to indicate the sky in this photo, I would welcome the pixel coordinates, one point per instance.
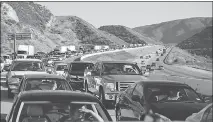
(130, 14)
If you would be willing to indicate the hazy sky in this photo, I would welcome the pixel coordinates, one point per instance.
(130, 14)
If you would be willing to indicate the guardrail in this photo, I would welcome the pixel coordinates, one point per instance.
(93, 54)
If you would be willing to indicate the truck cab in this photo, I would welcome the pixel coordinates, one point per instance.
(111, 77)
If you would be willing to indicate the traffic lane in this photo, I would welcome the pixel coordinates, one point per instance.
(203, 86)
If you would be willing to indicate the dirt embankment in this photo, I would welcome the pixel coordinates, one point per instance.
(178, 56)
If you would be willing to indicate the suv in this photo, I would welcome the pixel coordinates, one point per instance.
(76, 71)
(19, 68)
(110, 77)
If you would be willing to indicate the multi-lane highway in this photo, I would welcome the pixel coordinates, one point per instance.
(192, 77)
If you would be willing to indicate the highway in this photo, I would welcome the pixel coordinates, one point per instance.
(173, 73)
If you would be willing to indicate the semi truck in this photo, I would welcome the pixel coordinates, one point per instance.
(25, 50)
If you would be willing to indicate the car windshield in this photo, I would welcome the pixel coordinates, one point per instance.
(80, 66)
(120, 69)
(46, 84)
(27, 66)
(60, 111)
(61, 67)
(169, 93)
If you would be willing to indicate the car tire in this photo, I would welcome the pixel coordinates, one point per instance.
(101, 95)
(10, 94)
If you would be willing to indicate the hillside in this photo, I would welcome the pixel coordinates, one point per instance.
(199, 44)
(127, 34)
(48, 31)
(175, 31)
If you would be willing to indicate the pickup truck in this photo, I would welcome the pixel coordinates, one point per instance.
(109, 78)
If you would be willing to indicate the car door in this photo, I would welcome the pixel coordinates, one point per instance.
(138, 106)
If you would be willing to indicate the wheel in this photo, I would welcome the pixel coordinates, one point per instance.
(101, 96)
(10, 94)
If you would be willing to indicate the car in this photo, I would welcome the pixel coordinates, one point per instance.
(18, 68)
(59, 68)
(55, 106)
(157, 59)
(111, 77)
(76, 71)
(141, 57)
(41, 82)
(171, 99)
(204, 115)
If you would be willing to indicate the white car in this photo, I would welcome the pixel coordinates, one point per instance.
(59, 68)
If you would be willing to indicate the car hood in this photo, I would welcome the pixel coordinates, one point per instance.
(177, 110)
(20, 73)
(123, 78)
(60, 72)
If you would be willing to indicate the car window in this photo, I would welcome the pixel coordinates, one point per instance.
(46, 84)
(171, 93)
(61, 67)
(120, 69)
(27, 66)
(80, 66)
(59, 111)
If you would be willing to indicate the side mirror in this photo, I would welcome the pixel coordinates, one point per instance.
(136, 98)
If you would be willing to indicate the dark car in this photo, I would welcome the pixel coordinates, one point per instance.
(55, 106)
(173, 100)
(157, 59)
(42, 82)
(75, 73)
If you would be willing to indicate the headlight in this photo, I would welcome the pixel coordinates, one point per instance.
(110, 86)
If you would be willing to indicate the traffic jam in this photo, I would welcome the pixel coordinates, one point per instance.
(48, 87)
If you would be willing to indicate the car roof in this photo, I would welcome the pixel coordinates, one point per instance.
(116, 62)
(43, 75)
(55, 95)
(161, 82)
(38, 60)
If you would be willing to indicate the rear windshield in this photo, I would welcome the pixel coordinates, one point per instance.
(27, 66)
(80, 66)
